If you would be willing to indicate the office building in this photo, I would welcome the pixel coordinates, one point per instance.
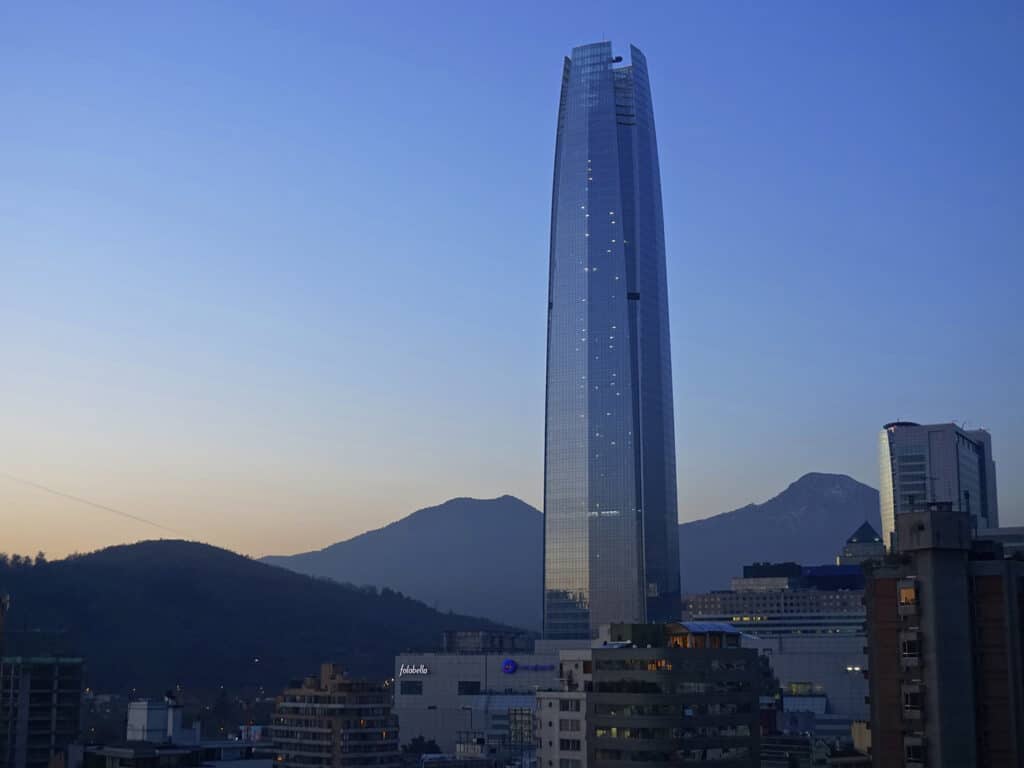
(944, 646)
(40, 705)
(784, 599)
(332, 721)
(864, 544)
(610, 515)
(472, 702)
(808, 621)
(681, 694)
(160, 722)
(936, 464)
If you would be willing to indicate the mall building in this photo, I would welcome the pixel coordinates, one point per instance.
(473, 703)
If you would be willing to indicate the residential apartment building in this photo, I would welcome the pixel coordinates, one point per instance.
(944, 647)
(40, 708)
(679, 694)
(332, 721)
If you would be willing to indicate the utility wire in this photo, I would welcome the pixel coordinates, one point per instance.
(80, 500)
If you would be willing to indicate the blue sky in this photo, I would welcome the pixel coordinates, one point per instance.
(275, 273)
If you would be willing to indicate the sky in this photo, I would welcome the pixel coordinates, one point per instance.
(273, 274)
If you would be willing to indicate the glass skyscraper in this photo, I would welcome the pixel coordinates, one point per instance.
(936, 463)
(611, 548)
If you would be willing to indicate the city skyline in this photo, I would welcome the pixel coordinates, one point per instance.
(270, 303)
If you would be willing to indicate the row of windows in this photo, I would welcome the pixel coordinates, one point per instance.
(373, 722)
(671, 687)
(709, 754)
(664, 665)
(638, 665)
(415, 687)
(649, 733)
(344, 699)
(673, 710)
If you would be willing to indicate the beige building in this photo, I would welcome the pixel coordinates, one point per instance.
(332, 721)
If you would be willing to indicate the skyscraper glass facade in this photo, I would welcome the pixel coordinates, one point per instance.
(925, 464)
(611, 541)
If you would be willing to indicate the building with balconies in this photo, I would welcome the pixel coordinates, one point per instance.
(679, 694)
(40, 706)
(332, 721)
(944, 642)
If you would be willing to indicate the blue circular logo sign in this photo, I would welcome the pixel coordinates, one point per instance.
(509, 666)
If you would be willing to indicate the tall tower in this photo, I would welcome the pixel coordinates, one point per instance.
(936, 463)
(611, 548)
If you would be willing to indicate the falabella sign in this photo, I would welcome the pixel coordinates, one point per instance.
(413, 669)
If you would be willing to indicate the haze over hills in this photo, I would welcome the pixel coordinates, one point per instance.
(481, 557)
(159, 613)
(484, 556)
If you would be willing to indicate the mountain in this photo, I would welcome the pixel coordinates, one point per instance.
(158, 613)
(480, 557)
(807, 523)
(483, 557)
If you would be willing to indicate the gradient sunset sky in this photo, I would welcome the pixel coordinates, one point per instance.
(272, 273)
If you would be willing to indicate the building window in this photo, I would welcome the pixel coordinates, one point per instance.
(469, 687)
(912, 699)
(411, 687)
(907, 597)
(569, 745)
(914, 753)
(569, 705)
(569, 762)
(568, 725)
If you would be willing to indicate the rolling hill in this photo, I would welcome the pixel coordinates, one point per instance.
(481, 557)
(159, 613)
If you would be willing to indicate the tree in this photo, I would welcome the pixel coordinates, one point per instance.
(420, 746)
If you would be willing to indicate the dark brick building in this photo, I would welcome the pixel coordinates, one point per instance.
(944, 647)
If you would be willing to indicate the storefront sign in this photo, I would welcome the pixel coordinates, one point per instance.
(511, 666)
